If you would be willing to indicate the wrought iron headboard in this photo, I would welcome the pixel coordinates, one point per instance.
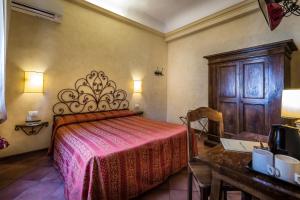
(94, 93)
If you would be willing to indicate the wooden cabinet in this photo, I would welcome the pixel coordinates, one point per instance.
(246, 86)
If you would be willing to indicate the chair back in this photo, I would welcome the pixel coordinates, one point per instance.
(197, 115)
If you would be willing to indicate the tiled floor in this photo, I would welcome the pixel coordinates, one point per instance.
(32, 177)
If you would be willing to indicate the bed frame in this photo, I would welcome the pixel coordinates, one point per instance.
(92, 94)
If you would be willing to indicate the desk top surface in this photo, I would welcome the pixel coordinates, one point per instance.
(233, 165)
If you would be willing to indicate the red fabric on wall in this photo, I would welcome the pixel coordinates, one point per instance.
(117, 157)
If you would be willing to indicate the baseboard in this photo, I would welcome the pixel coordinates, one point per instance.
(23, 154)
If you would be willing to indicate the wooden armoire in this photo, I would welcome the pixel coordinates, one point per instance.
(246, 86)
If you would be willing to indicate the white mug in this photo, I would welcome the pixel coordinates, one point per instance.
(286, 168)
(261, 159)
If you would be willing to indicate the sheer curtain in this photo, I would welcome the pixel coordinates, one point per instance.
(3, 34)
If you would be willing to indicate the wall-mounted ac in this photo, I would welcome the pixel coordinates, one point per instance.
(50, 10)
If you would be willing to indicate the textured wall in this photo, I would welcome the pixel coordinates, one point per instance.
(85, 40)
(188, 70)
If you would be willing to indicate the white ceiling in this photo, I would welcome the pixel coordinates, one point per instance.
(164, 15)
(161, 15)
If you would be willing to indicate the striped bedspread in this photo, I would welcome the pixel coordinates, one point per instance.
(116, 154)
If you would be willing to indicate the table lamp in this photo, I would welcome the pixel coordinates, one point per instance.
(290, 108)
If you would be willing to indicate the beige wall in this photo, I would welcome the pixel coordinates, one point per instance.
(85, 40)
(188, 70)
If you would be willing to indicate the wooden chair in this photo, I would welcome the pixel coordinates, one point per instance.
(199, 171)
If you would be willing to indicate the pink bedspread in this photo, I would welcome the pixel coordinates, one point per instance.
(115, 155)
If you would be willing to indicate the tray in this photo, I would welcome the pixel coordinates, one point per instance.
(249, 167)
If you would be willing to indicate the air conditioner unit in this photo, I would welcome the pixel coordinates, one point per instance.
(35, 11)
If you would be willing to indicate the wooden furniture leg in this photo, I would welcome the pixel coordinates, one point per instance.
(204, 194)
(216, 187)
(190, 184)
(246, 196)
(224, 195)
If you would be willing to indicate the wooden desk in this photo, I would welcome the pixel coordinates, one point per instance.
(229, 167)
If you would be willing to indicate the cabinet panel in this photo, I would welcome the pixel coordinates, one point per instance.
(253, 118)
(230, 116)
(228, 97)
(254, 80)
(228, 80)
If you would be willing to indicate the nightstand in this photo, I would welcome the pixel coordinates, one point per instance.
(32, 128)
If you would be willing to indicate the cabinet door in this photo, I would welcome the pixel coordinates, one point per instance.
(227, 82)
(254, 109)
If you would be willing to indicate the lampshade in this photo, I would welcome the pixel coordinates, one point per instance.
(34, 82)
(137, 86)
(290, 104)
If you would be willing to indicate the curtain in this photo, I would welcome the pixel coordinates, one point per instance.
(3, 36)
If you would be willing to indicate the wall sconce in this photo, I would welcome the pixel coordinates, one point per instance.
(34, 82)
(290, 108)
(137, 86)
(158, 72)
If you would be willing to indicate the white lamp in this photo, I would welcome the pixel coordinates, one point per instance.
(34, 82)
(137, 86)
(291, 105)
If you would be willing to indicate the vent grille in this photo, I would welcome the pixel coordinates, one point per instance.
(28, 9)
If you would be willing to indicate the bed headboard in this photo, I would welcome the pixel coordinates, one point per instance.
(94, 93)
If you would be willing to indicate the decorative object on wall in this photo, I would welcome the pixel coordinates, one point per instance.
(275, 10)
(290, 108)
(34, 82)
(137, 86)
(3, 143)
(91, 94)
(32, 128)
(158, 72)
(290, 7)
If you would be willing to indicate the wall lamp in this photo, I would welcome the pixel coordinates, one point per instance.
(34, 82)
(137, 86)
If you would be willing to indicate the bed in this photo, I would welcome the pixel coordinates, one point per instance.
(112, 153)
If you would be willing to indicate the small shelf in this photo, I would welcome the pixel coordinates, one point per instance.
(32, 129)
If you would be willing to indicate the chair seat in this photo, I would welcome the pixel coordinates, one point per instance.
(202, 174)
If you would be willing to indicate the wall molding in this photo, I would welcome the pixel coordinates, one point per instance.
(223, 16)
(231, 13)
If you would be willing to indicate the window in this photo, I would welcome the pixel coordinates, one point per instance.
(3, 34)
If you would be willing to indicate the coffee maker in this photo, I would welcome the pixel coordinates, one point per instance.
(285, 140)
